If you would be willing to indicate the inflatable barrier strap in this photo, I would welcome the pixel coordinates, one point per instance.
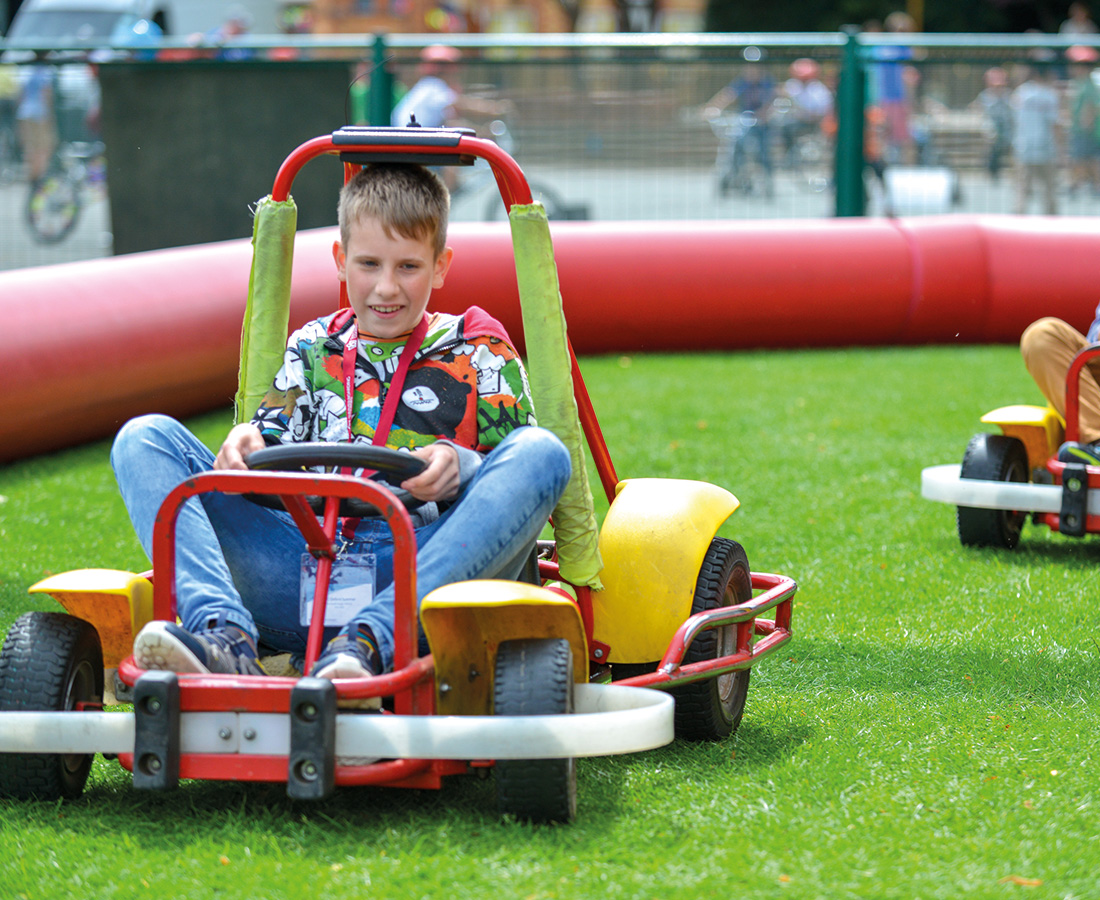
(548, 364)
(267, 315)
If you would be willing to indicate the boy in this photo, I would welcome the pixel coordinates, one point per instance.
(465, 393)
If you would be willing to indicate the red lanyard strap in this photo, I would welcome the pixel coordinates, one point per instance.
(393, 392)
(389, 404)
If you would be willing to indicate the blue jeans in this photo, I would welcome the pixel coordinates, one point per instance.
(240, 564)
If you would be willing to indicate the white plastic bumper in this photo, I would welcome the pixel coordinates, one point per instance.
(608, 720)
(943, 483)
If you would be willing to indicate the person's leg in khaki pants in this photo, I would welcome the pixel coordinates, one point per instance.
(1048, 347)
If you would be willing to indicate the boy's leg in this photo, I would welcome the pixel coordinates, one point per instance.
(1048, 347)
(225, 545)
(489, 531)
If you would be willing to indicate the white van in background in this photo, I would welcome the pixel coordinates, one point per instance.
(111, 23)
(103, 22)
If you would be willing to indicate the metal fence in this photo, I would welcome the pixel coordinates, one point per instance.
(622, 127)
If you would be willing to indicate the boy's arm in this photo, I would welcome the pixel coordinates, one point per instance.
(469, 461)
(442, 479)
(242, 440)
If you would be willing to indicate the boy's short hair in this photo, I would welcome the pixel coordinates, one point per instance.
(408, 199)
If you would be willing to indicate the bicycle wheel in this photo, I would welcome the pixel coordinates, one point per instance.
(53, 207)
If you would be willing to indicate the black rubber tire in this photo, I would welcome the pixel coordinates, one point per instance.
(535, 678)
(50, 661)
(992, 457)
(711, 710)
(622, 671)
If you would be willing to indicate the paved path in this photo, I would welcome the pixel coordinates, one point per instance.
(90, 239)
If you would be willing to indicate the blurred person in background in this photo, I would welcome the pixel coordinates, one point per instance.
(1084, 120)
(752, 91)
(36, 119)
(811, 104)
(434, 97)
(893, 84)
(1078, 21)
(1035, 138)
(995, 103)
(235, 25)
(437, 99)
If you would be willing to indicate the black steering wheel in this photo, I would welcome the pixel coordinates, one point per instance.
(349, 456)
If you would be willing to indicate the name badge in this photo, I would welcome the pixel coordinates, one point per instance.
(351, 587)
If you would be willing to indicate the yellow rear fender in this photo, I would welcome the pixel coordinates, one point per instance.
(467, 621)
(1039, 428)
(653, 541)
(117, 603)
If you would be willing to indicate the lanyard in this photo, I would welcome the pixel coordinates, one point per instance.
(393, 393)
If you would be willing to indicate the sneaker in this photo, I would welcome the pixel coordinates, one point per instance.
(351, 656)
(169, 647)
(1073, 451)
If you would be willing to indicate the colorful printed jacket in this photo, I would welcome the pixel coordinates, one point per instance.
(466, 385)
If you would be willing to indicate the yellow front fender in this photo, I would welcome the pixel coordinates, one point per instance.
(1040, 428)
(652, 543)
(467, 621)
(117, 603)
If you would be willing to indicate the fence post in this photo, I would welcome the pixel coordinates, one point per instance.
(850, 200)
(381, 85)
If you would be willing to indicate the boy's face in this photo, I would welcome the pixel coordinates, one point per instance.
(389, 277)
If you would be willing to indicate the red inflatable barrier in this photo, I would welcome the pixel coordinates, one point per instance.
(91, 344)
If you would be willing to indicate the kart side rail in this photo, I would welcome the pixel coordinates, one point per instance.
(778, 594)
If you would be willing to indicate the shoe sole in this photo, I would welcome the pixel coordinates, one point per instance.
(158, 650)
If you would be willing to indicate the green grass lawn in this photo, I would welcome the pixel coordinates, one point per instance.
(932, 730)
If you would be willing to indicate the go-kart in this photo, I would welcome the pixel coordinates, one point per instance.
(582, 657)
(1006, 477)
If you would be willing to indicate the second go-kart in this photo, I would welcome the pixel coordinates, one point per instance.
(583, 657)
(1006, 477)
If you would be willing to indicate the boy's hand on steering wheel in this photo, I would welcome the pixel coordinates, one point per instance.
(440, 480)
(240, 442)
